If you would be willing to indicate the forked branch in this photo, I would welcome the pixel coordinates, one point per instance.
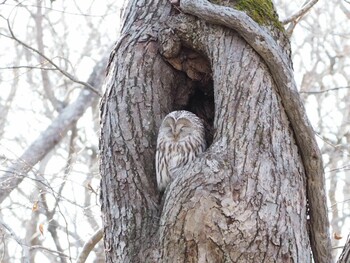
(282, 73)
(302, 11)
(65, 73)
(50, 137)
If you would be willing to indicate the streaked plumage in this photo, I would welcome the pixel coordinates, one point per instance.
(180, 140)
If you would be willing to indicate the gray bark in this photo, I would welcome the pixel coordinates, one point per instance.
(138, 94)
(245, 198)
(275, 54)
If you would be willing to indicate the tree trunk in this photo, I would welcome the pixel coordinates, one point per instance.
(244, 199)
(138, 93)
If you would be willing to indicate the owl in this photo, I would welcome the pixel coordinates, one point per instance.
(180, 139)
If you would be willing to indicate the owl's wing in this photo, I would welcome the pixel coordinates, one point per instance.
(163, 177)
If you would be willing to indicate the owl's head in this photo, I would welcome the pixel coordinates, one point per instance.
(179, 125)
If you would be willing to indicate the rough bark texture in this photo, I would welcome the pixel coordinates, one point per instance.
(274, 50)
(244, 199)
(138, 94)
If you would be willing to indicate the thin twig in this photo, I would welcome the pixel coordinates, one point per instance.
(340, 202)
(18, 240)
(110, 12)
(323, 91)
(11, 232)
(49, 250)
(65, 73)
(28, 67)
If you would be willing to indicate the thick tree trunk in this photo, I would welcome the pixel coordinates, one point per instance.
(138, 94)
(244, 199)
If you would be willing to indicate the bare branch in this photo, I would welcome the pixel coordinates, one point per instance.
(18, 240)
(44, 143)
(50, 137)
(340, 202)
(11, 232)
(324, 91)
(6, 105)
(282, 73)
(345, 255)
(28, 67)
(49, 250)
(44, 183)
(65, 73)
(61, 11)
(45, 79)
(89, 245)
(290, 28)
(306, 7)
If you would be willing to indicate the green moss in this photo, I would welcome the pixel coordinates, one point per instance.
(261, 11)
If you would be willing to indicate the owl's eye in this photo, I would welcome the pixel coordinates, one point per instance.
(184, 128)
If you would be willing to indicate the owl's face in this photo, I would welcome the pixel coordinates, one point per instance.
(177, 129)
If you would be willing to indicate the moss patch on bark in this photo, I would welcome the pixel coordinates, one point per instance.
(261, 11)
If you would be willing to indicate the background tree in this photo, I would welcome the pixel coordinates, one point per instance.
(49, 127)
(321, 62)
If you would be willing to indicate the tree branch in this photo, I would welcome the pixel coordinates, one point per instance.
(27, 248)
(89, 245)
(282, 73)
(50, 137)
(345, 255)
(323, 91)
(27, 67)
(18, 240)
(61, 254)
(306, 7)
(44, 143)
(65, 73)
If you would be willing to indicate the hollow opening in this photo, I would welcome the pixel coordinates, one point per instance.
(196, 92)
